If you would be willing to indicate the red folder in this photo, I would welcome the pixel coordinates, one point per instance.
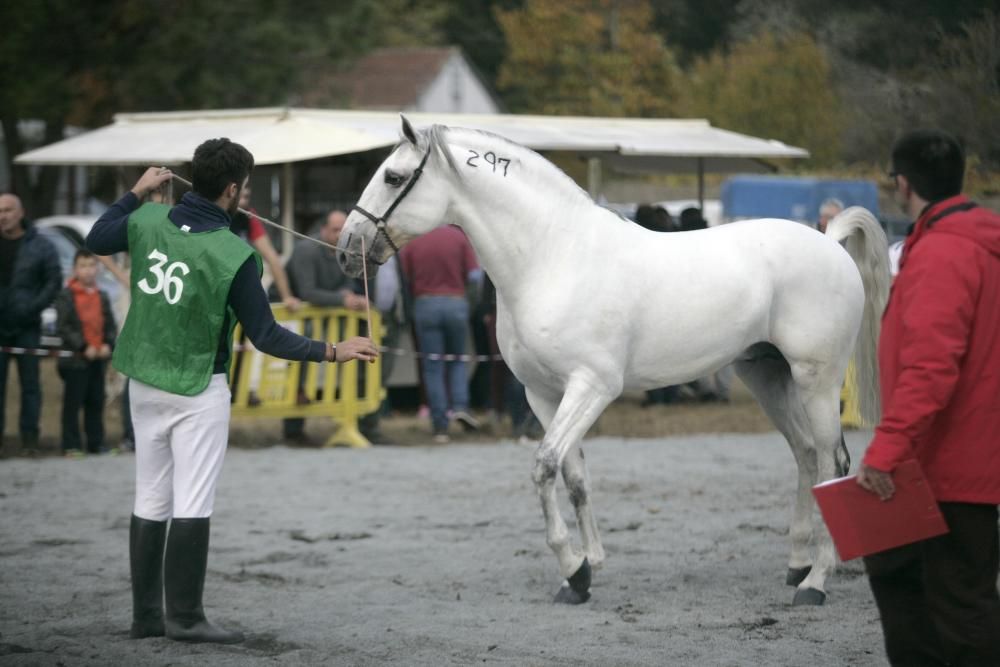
(861, 524)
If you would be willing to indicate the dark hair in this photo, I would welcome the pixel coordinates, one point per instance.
(216, 164)
(691, 219)
(83, 252)
(932, 161)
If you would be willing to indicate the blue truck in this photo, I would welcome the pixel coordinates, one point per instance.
(791, 197)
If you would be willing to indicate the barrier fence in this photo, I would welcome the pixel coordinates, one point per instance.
(263, 386)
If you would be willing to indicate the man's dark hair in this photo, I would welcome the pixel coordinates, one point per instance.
(216, 164)
(932, 161)
(691, 220)
(83, 252)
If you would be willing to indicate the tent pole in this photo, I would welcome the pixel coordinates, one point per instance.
(287, 208)
(701, 185)
(594, 177)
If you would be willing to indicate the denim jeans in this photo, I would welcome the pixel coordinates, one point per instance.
(442, 324)
(27, 373)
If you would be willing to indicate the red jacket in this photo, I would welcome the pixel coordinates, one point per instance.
(939, 355)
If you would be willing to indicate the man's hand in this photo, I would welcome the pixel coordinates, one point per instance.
(90, 352)
(358, 347)
(291, 303)
(104, 352)
(151, 180)
(355, 301)
(876, 481)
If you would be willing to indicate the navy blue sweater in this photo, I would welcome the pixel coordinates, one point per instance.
(246, 295)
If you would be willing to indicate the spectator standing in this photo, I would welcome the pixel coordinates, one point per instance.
(437, 267)
(828, 210)
(86, 326)
(190, 276)
(315, 278)
(939, 366)
(251, 229)
(30, 278)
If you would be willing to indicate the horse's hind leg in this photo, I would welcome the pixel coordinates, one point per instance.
(581, 405)
(822, 408)
(769, 378)
(574, 470)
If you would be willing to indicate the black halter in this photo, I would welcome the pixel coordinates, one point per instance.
(380, 222)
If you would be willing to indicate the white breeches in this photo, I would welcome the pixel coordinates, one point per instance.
(180, 442)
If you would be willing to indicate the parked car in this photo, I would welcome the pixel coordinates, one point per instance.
(68, 233)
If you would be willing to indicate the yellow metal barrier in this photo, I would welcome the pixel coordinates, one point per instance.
(850, 415)
(264, 386)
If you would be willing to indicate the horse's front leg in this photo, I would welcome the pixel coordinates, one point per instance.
(574, 470)
(582, 403)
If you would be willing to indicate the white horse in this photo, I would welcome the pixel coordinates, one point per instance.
(590, 304)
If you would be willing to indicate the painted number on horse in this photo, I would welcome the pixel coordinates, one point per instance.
(490, 158)
(172, 286)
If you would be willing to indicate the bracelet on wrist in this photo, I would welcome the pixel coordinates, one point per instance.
(333, 353)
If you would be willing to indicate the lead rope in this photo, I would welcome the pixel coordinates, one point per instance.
(368, 303)
(281, 227)
(364, 257)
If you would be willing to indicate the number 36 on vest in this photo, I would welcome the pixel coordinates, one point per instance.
(165, 281)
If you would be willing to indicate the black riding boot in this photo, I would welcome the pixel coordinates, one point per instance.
(184, 579)
(145, 550)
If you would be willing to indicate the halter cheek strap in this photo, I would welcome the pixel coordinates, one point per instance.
(380, 221)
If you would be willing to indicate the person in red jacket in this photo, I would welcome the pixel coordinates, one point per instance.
(939, 359)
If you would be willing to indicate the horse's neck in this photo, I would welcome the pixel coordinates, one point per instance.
(515, 221)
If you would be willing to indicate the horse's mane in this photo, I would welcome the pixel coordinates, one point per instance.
(436, 139)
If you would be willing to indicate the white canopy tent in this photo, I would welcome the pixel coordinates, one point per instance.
(288, 135)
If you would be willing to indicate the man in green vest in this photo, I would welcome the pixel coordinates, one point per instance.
(191, 281)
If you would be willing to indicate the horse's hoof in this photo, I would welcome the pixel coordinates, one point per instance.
(567, 595)
(580, 581)
(809, 596)
(796, 575)
(576, 590)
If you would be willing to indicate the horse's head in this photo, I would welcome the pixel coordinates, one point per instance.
(402, 201)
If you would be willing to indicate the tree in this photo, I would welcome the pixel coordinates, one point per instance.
(770, 87)
(586, 57)
(965, 79)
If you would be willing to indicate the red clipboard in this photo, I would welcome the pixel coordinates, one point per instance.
(861, 524)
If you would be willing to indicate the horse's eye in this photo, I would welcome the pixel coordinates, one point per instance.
(394, 178)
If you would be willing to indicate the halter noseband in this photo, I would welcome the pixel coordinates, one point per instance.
(380, 222)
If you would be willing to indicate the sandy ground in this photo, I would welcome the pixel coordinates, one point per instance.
(436, 556)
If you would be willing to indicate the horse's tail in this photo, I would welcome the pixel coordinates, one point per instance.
(868, 246)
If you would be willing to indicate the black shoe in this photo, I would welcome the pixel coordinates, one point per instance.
(145, 548)
(184, 582)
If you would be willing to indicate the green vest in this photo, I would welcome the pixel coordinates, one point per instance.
(180, 289)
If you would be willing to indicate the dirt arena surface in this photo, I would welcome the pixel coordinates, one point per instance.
(415, 555)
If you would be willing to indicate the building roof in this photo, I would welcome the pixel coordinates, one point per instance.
(284, 135)
(392, 78)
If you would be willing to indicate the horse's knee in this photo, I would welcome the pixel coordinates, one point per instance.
(546, 468)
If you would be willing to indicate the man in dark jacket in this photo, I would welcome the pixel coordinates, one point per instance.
(939, 366)
(29, 280)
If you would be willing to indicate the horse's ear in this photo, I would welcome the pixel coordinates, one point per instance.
(408, 132)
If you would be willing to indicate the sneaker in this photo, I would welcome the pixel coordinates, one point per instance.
(441, 439)
(468, 422)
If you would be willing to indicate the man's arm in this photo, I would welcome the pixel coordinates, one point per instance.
(51, 277)
(110, 233)
(249, 301)
(270, 255)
